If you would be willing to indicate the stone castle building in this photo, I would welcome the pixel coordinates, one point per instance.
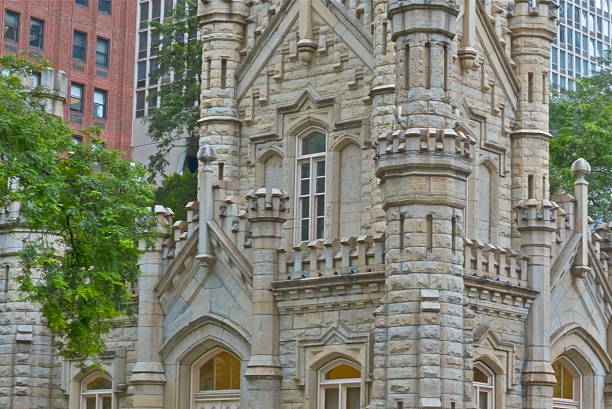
(374, 228)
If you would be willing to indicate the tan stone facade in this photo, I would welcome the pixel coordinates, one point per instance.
(374, 227)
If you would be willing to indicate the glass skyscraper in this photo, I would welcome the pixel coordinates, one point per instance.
(583, 37)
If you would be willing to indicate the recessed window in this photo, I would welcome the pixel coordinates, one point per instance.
(216, 381)
(11, 26)
(100, 103)
(104, 6)
(37, 33)
(76, 98)
(141, 74)
(102, 52)
(84, 3)
(36, 79)
(340, 387)
(144, 14)
(566, 392)
(79, 46)
(97, 392)
(310, 184)
(142, 44)
(156, 10)
(140, 104)
(484, 387)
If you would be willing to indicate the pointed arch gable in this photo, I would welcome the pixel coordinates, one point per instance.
(200, 337)
(574, 337)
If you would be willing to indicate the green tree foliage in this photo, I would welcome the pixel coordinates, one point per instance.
(581, 122)
(176, 191)
(87, 207)
(178, 111)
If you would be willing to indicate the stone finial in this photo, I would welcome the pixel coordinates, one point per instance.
(581, 168)
(206, 154)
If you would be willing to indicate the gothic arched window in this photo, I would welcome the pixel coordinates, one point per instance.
(310, 186)
(484, 387)
(97, 392)
(566, 392)
(216, 379)
(339, 386)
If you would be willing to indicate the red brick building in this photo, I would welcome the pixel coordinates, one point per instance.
(93, 41)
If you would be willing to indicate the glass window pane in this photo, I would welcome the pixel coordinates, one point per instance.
(343, 372)
(207, 376)
(313, 143)
(332, 398)
(235, 381)
(321, 205)
(99, 383)
(304, 186)
(305, 170)
(320, 185)
(305, 234)
(223, 371)
(353, 399)
(567, 384)
(483, 400)
(90, 403)
(480, 376)
(305, 207)
(107, 402)
(320, 227)
(321, 168)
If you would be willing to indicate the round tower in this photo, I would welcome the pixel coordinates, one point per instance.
(222, 28)
(423, 168)
(533, 26)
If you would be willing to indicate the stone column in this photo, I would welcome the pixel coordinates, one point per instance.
(537, 225)
(222, 25)
(423, 167)
(206, 156)
(581, 168)
(148, 376)
(267, 214)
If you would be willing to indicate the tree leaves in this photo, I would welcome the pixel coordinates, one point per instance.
(581, 122)
(88, 208)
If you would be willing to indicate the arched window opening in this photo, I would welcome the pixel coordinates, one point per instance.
(340, 386)
(97, 392)
(484, 387)
(566, 392)
(216, 380)
(311, 158)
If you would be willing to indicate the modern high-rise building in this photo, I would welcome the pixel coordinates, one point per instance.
(147, 86)
(583, 37)
(92, 41)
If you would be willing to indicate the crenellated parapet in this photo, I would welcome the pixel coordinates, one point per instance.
(326, 258)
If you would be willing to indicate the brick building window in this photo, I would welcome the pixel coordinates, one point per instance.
(11, 26)
(340, 386)
(37, 33)
(100, 103)
(79, 46)
(102, 52)
(310, 186)
(97, 392)
(104, 6)
(76, 98)
(84, 3)
(484, 387)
